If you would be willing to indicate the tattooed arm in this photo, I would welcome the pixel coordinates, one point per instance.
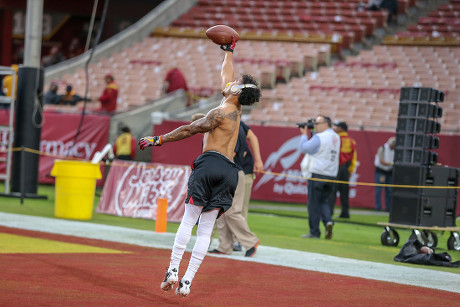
(213, 119)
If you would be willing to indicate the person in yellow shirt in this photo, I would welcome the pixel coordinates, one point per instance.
(347, 165)
(125, 145)
(70, 97)
(8, 83)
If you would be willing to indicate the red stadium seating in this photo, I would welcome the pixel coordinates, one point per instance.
(364, 90)
(445, 22)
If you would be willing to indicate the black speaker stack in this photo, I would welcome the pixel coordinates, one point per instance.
(415, 163)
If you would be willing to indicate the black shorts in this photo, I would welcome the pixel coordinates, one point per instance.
(212, 182)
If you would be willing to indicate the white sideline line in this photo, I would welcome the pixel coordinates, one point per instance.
(270, 255)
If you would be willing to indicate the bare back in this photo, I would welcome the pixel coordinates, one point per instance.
(224, 136)
(221, 125)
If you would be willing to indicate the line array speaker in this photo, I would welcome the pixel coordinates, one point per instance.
(426, 94)
(419, 109)
(416, 140)
(415, 156)
(415, 163)
(417, 124)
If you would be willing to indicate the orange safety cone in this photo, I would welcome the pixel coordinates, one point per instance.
(162, 215)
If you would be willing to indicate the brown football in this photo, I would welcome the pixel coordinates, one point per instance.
(222, 34)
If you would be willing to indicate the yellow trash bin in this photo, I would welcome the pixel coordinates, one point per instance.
(75, 188)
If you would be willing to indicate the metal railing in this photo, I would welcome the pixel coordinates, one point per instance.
(9, 102)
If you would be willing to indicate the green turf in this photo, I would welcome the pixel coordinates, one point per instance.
(357, 237)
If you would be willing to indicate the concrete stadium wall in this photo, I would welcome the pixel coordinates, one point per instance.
(161, 16)
(140, 119)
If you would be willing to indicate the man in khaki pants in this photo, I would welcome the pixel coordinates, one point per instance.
(233, 224)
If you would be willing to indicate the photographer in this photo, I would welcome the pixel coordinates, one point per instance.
(323, 148)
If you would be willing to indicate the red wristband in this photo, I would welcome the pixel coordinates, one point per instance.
(161, 140)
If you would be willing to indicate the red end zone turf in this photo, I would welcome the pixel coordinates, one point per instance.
(133, 279)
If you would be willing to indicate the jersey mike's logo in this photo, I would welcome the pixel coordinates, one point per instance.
(140, 185)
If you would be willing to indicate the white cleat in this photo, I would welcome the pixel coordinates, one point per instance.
(184, 288)
(170, 280)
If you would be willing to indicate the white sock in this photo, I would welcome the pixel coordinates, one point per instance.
(183, 234)
(203, 238)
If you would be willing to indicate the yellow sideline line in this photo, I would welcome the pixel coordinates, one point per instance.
(18, 244)
(263, 172)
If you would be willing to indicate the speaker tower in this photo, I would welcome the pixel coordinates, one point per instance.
(415, 163)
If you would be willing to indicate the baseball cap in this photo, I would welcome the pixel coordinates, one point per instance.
(341, 124)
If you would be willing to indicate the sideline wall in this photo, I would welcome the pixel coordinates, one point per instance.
(278, 148)
(279, 153)
(58, 140)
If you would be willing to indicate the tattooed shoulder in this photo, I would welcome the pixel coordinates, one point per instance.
(233, 115)
(215, 116)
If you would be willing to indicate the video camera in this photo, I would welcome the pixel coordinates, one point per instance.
(310, 124)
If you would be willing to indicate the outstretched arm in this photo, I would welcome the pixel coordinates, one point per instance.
(227, 69)
(213, 119)
(227, 66)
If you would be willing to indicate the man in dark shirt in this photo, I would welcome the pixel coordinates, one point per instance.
(234, 222)
(51, 96)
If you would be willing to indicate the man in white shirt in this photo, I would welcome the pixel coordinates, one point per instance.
(384, 172)
(324, 149)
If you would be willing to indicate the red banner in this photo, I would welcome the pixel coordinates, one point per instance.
(58, 135)
(58, 139)
(132, 189)
(283, 180)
